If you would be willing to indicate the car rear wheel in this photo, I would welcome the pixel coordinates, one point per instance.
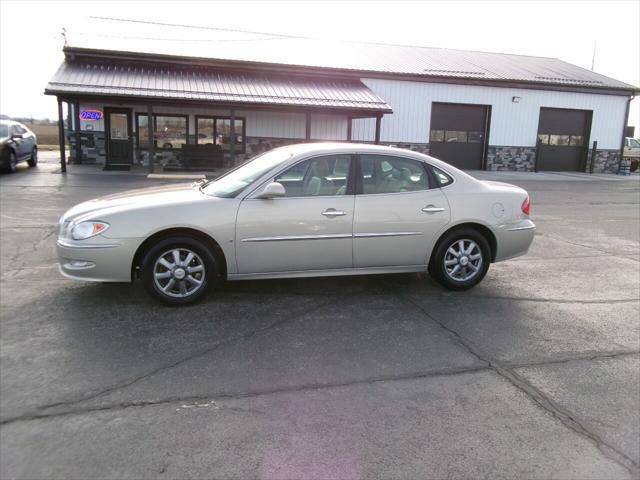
(178, 270)
(461, 259)
(33, 161)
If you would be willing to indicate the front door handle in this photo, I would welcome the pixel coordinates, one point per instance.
(432, 209)
(332, 212)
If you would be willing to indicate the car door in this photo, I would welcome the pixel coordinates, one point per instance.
(398, 212)
(308, 229)
(17, 136)
(26, 144)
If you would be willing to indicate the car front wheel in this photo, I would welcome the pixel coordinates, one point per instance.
(12, 162)
(33, 161)
(178, 270)
(461, 259)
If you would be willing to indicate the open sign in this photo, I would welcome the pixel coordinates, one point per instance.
(91, 115)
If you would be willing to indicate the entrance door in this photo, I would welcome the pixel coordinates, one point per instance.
(459, 134)
(563, 136)
(118, 138)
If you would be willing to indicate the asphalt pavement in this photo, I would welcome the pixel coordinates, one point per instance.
(535, 373)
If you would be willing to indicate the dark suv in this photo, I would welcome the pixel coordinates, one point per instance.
(17, 143)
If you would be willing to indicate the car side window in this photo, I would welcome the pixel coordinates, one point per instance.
(15, 130)
(315, 177)
(390, 174)
(442, 179)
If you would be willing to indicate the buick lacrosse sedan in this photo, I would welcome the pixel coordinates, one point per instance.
(308, 210)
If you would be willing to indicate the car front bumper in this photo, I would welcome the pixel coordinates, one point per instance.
(105, 260)
(514, 240)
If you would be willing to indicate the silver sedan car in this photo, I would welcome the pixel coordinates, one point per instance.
(308, 210)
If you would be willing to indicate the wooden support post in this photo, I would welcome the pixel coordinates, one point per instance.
(349, 128)
(232, 138)
(63, 160)
(307, 134)
(76, 121)
(378, 122)
(151, 128)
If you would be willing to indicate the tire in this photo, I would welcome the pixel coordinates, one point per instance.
(33, 161)
(173, 285)
(12, 163)
(471, 270)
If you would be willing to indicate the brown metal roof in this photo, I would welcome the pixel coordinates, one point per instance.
(199, 84)
(123, 36)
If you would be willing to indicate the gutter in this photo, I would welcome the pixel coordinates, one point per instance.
(624, 127)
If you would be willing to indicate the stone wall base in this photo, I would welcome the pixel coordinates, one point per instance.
(606, 161)
(515, 159)
(499, 158)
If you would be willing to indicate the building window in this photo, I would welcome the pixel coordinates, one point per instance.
(170, 131)
(217, 130)
(455, 136)
(561, 140)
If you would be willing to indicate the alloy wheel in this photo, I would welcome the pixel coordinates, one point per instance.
(463, 260)
(179, 272)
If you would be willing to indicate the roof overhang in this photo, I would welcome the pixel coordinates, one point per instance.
(213, 86)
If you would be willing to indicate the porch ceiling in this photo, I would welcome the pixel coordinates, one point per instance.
(74, 78)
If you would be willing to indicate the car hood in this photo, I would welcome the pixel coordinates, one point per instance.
(135, 199)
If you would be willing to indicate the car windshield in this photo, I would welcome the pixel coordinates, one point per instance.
(634, 143)
(4, 131)
(233, 182)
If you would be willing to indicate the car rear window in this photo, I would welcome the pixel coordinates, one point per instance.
(442, 179)
(4, 131)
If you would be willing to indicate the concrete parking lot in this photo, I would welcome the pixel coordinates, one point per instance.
(533, 374)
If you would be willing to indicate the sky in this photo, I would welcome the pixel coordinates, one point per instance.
(31, 52)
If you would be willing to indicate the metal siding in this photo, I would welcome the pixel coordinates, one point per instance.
(512, 124)
(328, 127)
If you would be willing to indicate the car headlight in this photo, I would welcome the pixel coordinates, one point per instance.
(85, 230)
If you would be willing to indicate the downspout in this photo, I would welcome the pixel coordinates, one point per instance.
(624, 131)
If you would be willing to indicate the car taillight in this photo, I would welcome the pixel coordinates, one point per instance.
(526, 206)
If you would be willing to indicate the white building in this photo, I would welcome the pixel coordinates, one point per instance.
(475, 110)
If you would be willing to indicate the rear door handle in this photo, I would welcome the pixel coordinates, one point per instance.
(332, 212)
(432, 209)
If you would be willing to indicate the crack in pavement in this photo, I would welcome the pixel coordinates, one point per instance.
(577, 358)
(575, 244)
(220, 344)
(447, 371)
(252, 393)
(565, 417)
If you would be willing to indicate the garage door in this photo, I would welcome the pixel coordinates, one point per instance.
(458, 134)
(563, 137)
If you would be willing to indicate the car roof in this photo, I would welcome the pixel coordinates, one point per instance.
(302, 149)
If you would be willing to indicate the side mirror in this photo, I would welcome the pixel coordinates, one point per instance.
(272, 190)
